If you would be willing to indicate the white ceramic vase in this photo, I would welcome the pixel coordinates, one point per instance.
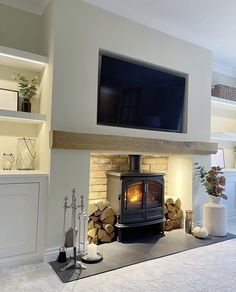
(215, 216)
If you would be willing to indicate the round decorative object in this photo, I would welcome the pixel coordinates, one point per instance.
(200, 232)
(215, 217)
(86, 259)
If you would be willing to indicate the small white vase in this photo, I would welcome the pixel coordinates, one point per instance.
(215, 216)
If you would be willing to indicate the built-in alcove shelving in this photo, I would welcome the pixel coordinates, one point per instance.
(22, 117)
(22, 60)
(223, 136)
(223, 127)
(223, 104)
(34, 124)
(223, 119)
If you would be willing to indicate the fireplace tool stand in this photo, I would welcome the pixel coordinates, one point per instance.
(74, 263)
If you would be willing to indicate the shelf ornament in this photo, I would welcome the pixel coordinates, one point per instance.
(25, 153)
(28, 89)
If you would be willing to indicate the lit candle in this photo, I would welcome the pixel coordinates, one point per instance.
(92, 251)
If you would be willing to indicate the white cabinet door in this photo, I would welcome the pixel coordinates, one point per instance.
(230, 191)
(19, 204)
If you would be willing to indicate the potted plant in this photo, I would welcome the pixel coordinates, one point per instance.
(28, 89)
(213, 181)
(214, 213)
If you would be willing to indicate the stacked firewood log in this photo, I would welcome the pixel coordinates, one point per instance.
(101, 224)
(173, 214)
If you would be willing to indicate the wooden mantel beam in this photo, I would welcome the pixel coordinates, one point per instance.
(93, 142)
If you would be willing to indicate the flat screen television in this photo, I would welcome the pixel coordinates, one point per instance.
(136, 95)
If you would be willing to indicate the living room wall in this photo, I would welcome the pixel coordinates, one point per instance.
(80, 31)
(20, 29)
(77, 42)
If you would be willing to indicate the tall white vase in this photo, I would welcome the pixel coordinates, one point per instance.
(215, 217)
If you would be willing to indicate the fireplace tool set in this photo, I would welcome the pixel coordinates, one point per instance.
(70, 235)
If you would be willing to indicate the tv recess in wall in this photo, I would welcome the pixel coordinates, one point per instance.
(136, 95)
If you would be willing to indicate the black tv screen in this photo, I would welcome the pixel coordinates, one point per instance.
(134, 95)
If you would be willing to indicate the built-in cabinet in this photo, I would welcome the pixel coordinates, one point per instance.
(223, 125)
(230, 191)
(23, 194)
(23, 201)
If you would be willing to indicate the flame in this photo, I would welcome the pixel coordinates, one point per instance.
(135, 194)
(134, 199)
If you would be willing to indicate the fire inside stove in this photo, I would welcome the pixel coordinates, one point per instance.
(134, 196)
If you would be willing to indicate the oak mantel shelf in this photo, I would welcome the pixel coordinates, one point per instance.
(83, 141)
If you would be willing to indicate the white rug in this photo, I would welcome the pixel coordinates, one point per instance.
(209, 268)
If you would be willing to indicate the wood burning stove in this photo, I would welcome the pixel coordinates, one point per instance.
(137, 197)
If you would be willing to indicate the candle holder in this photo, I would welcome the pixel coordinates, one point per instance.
(188, 221)
(7, 161)
(86, 259)
(25, 153)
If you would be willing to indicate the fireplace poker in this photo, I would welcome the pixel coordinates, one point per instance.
(81, 215)
(84, 240)
(74, 263)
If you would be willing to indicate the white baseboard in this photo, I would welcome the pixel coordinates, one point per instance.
(18, 260)
(51, 254)
(232, 219)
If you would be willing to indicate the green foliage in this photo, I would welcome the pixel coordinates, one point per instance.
(28, 88)
(212, 180)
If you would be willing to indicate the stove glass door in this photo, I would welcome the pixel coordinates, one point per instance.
(153, 194)
(134, 196)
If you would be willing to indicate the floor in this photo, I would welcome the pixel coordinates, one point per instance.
(139, 247)
(210, 268)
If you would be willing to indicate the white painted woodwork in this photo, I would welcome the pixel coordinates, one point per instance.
(223, 103)
(230, 191)
(21, 117)
(223, 119)
(19, 212)
(14, 124)
(23, 200)
(20, 59)
(223, 136)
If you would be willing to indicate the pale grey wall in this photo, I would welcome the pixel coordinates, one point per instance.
(80, 30)
(47, 25)
(20, 29)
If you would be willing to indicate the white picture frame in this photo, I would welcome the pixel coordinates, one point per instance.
(9, 99)
(218, 158)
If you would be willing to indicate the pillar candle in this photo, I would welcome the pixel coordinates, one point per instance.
(92, 251)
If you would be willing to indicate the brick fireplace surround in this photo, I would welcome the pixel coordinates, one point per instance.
(100, 163)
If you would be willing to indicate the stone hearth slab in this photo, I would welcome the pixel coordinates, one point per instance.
(138, 249)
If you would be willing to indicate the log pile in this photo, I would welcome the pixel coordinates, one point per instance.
(173, 214)
(101, 223)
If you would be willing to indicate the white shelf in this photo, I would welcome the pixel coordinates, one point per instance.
(223, 103)
(21, 173)
(228, 170)
(223, 136)
(21, 59)
(21, 117)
